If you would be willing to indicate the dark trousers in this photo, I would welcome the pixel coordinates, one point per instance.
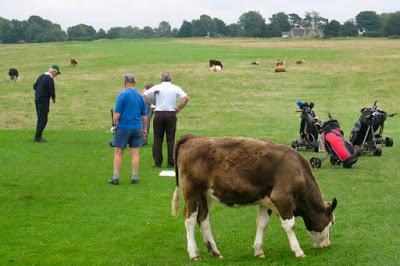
(42, 111)
(164, 122)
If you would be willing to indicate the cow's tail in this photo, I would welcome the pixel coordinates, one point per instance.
(175, 198)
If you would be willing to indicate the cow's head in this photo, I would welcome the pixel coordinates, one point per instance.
(322, 224)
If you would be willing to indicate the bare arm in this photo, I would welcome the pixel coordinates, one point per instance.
(147, 100)
(182, 104)
(116, 117)
(144, 123)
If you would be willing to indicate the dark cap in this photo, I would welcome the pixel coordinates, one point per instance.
(56, 67)
(129, 78)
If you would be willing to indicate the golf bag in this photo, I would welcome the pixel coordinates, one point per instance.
(342, 151)
(339, 150)
(308, 134)
(363, 135)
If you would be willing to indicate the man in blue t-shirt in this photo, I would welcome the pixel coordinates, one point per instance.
(129, 125)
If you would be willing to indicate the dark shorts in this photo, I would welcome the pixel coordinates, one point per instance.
(123, 137)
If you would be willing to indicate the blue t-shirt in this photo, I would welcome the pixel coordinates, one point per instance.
(132, 107)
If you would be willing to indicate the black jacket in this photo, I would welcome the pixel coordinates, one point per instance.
(44, 89)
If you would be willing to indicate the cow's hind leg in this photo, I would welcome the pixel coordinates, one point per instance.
(190, 224)
(263, 216)
(203, 219)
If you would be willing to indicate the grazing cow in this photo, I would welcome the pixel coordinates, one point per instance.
(280, 66)
(243, 171)
(13, 73)
(213, 63)
(74, 62)
(256, 63)
(300, 62)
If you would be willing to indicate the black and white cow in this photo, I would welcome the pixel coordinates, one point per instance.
(13, 73)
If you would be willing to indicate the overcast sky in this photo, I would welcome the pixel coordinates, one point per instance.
(109, 13)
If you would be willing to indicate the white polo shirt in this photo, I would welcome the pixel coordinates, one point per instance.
(165, 95)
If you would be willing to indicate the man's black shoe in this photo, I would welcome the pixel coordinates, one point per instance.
(113, 181)
(40, 140)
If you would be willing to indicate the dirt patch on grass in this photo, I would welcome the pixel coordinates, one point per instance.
(295, 43)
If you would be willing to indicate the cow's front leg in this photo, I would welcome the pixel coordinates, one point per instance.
(190, 224)
(288, 226)
(263, 216)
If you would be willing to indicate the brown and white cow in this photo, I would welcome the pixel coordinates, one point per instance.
(243, 171)
(74, 62)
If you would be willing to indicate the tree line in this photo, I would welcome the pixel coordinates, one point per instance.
(250, 24)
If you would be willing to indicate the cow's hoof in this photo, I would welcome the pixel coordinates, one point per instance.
(216, 255)
(300, 255)
(259, 255)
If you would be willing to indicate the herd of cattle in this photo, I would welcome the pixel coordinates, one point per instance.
(14, 74)
(214, 65)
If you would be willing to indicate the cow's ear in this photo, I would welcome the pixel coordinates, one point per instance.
(331, 206)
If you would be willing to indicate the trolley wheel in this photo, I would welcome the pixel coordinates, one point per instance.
(334, 160)
(378, 151)
(357, 150)
(315, 162)
(388, 142)
(347, 165)
(295, 144)
(316, 147)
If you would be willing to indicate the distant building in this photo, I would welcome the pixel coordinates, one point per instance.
(303, 33)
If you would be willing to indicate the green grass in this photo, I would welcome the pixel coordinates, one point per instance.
(56, 207)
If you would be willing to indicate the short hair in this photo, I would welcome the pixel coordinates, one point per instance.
(148, 86)
(52, 70)
(129, 78)
(166, 76)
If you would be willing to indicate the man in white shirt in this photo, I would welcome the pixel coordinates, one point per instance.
(164, 122)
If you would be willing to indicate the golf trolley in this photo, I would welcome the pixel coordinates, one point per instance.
(363, 135)
(336, 147)
(308, 135)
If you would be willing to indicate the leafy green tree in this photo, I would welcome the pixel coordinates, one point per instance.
(307, 20)
(349, 28)
(295, 20)
(332, 29)
(221, 28)
(163, 29)
(205, 26)
(392, 25)
(252, 24)
(82, 32)
(185, 30)
(281, 20)
(5, 31)
(234, 30)
(368, 21)
(148, 32)
(42, 30)
(101, 34)
(271, 30)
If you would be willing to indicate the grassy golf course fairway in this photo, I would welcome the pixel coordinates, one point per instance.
(56, 207)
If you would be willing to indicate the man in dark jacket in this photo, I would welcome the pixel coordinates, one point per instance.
(44, 90)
